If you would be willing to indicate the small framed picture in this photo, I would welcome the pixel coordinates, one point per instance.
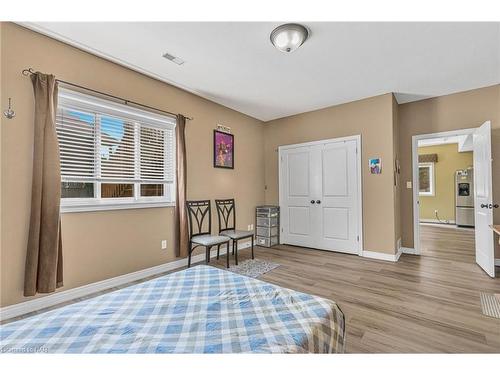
(223, 150)
(375, 165)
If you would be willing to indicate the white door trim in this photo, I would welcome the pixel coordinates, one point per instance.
(356, 138)
(415, 182)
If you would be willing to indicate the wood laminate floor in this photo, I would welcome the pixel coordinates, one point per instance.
(448, 242)
(421, 304)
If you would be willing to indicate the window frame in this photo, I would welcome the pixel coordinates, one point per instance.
(432, 180)
(105, 107)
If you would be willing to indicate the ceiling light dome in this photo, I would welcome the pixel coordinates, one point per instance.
(289, 37)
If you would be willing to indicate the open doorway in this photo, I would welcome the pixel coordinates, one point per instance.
(446, 197)
(452, 196)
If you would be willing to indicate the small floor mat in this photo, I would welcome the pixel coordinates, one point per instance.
(254, 267)
(490, 304)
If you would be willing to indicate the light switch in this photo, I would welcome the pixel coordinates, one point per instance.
(408, 184)
(163, 244)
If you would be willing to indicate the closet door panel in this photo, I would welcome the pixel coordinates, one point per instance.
(297, 213)
(339, 205)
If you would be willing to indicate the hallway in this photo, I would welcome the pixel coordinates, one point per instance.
(447, 242)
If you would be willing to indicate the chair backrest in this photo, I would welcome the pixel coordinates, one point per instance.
(226, 212)
(199, 217)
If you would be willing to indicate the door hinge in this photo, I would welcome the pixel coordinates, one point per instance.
(357, 238)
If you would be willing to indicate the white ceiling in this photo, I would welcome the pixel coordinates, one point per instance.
(442, 140)
(234, 64)
(464, 142)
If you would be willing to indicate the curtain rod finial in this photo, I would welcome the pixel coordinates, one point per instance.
(28, 71)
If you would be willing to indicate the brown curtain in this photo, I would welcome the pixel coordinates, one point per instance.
(43, 273)
(181, 224)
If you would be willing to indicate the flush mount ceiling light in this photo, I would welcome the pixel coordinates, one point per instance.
(289, 37)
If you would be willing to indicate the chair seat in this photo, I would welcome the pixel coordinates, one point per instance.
(237, 234)
(208, 240)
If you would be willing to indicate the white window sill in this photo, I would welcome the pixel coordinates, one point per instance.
(67, 208)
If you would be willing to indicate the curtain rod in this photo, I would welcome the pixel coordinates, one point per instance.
(29, 71)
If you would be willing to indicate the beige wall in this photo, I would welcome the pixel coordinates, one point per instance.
(373, 119)
(449, 161)
(2, 105)
(463, 110)
(397, 179)
(100, 245)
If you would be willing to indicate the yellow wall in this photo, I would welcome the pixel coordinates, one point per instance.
(449, 160)
(100, 245)
(372, 118)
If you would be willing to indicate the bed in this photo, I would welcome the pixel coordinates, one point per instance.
(198, 310)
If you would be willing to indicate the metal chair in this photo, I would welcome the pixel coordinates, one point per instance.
(226, 211)
(200, 233)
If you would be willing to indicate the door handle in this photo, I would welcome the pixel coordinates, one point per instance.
(490, 206)
(318, 201)
(312, 201)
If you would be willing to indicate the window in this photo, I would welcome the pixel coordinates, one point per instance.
(112, 155)
(426, 179)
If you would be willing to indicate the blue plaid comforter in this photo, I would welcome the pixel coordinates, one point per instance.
(199, 310)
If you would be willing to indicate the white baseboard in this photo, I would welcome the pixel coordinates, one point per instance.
(382, 256)
(497, 262)
(400, 248)
(398, 254)
(436, 221)
(409, 250)
(82, 291)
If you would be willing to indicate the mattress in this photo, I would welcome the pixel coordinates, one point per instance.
(198, 310)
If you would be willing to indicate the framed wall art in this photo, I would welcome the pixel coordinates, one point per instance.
(375, 165)
(223, 150)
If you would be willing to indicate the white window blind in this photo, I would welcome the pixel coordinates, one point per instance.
(77, 144)
(113, 152)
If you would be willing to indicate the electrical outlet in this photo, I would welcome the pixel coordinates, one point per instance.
(250, 227)
(163, 244)
(408, 184)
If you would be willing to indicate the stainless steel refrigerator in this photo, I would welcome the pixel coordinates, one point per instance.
(464, 197)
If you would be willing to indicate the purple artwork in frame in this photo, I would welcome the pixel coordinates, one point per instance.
(223, 150)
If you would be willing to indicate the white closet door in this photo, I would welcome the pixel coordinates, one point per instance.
(297, 216)
(338, 190)
(319, 195)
